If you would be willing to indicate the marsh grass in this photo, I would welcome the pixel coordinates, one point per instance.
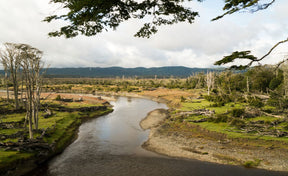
(62, 129)
(220, 128)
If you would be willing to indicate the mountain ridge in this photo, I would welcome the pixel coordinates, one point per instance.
(110, 72)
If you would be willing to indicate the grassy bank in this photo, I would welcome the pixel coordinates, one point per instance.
(18, 154)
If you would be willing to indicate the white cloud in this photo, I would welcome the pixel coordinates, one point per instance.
(194, 45)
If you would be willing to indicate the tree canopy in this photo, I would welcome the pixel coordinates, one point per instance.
(90, 17)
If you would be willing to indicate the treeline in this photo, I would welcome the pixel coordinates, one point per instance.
(222, 87)
(260, 79)
(113, 72)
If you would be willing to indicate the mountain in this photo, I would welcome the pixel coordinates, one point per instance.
(112, 72)
(98, 72)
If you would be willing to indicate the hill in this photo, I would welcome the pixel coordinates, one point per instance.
(110, 72)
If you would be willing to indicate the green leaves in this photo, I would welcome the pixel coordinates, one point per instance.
(91, 17)
(237, 55)
(232, 6)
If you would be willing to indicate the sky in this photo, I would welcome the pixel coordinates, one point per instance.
(192, 45)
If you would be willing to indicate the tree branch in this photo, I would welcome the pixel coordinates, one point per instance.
(270, 51)
(246, 55)
(236, 6)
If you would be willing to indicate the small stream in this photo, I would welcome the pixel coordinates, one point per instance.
(111, 146)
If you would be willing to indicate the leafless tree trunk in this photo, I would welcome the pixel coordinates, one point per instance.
(248, 87)
(10, 57)
(31, 64)
(5, 65)
(210, 81)
(7, 86)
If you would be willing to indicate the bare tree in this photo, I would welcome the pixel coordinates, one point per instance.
(10, 59)
(284, 67)
(210, 80)
(4, 63)
(31, 65)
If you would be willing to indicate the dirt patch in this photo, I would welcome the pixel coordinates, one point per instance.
(154, 118)
(177, 144)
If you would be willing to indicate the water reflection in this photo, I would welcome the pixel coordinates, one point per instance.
(111, 145)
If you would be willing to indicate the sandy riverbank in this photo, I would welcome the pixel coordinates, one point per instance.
(176, 145)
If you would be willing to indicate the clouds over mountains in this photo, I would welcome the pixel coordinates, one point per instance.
(193, 45)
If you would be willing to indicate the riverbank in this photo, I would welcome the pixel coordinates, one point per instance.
(165, 140)
(20, 155)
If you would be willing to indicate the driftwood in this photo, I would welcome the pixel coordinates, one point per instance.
(49, 113)
(205, 112)
(82, 109)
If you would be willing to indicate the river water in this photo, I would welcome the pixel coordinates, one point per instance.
(111, 146)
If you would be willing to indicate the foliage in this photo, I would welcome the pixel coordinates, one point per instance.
(92, 17)
(221, 118)
(255, 102)
(237, 123)
(58, 98)
(236, 55)
(250, 164)
(236, 112)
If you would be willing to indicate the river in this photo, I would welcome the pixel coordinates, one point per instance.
(111, 146)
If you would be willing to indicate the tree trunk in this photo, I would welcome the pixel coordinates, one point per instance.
(7, 86)
(16, 94)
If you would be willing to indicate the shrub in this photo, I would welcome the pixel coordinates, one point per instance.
(285, 127)
(238, 123)
(238, 112)
(183, 99)
(250, 164)
(218, 104)
(256, 102)
(209, 98)
(221, 118)
(58, 98)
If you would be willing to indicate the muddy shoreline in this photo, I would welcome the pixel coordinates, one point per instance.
(27, 166)
(177, 145)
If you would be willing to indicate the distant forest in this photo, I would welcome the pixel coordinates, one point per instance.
(112, 72)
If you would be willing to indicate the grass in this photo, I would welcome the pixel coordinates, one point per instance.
(62, 125)
(251, 164)
(12, 117)
(8, 157)
(199, 104)
(263, 118)
(221, 130)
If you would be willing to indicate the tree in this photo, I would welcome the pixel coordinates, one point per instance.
(10, 59)
(91, 17)
(210, 80)
(4, 63)
(260, 77)
(31, 65)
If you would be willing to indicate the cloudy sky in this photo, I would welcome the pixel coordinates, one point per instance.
(192, 45)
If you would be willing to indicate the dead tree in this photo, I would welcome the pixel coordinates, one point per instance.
(210, 81)
(10, 57)
(4, 63)
(31, 65)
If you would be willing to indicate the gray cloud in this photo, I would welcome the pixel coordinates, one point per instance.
(194, 45)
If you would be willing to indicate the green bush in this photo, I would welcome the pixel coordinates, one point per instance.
(58, 98)
(221, 118)
(237, 123)
(285, 127)
(250, 164)
(183, 99)
(238, 112)
(218, 104)
(256, 102)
